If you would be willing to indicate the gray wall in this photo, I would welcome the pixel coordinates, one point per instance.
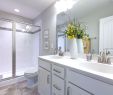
(47, 20)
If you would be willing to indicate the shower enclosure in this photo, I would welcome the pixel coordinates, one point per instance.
(19, 49)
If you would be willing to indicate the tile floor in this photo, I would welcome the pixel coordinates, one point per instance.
(18, 89)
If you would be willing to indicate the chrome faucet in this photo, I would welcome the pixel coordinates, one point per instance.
(55, 51)
(104, 57)
(60, 52)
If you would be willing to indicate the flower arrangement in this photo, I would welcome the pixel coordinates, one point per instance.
(75, 31)
(71, 31)
(80, 32)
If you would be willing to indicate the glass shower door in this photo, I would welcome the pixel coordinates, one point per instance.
(19, 48)
(26, 48)
(5, 49)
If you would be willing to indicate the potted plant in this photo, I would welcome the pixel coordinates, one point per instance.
(71, 33)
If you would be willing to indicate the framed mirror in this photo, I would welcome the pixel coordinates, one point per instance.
(96, 16)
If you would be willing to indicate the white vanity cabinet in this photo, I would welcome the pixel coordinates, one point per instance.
(56, 78)
(87, 85)
(58, 81)
(57, 86)
(44, 78)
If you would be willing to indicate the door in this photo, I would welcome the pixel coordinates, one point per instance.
(44, 84)
(106, 33)
(75, 90)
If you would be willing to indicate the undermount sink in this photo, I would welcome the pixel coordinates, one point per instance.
(99, 67)
(89, 65)
(56, 56)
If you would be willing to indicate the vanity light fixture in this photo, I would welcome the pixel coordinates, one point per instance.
(60, 5)
(64, 5)
(17, 10)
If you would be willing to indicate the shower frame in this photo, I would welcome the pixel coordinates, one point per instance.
(14, 30)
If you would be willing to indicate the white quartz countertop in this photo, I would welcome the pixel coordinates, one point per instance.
(102, 72)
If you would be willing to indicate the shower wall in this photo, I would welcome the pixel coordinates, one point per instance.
(26, 51)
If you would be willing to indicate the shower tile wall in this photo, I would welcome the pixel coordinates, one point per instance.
(26, 51)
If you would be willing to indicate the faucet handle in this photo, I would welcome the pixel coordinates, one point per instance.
(60, 51)
(55, 51)
(99, 59)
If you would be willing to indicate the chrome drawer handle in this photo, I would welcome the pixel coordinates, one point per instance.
(54, 93)
(55, 86)
(48, 79)
(56, 71)
(68, 91)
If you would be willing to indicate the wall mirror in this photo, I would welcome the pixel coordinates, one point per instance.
(96, 16)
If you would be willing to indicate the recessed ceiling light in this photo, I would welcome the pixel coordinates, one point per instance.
(17, 10)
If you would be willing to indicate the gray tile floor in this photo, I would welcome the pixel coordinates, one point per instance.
(18, 89)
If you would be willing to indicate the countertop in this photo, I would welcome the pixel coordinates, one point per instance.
(79, 65)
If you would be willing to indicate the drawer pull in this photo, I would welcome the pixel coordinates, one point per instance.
(54, 94)
(56, 71)
(48, 79)
(68, 91)
(55, 86)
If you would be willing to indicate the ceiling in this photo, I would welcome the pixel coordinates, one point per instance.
(28, 8)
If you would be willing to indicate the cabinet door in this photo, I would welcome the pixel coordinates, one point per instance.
(75, 90)
(44, 82)
(58, 85)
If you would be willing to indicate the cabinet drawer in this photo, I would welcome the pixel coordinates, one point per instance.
(74, 90)
(89, 84)
(45, 65)
(57, 86)
(59, 71)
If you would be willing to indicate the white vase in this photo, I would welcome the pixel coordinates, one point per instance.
(73, 48)
(80, 46)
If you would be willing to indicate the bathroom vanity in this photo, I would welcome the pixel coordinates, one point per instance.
(64, 76)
